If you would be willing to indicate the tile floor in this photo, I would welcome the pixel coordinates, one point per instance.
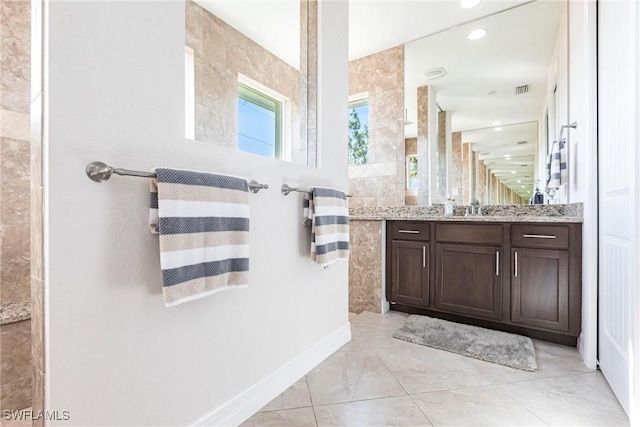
(377, 380)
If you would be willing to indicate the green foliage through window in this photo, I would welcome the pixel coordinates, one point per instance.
(412, 172)
(359, 132)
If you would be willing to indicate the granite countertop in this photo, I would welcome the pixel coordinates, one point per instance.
(571, 213)
(11, 312)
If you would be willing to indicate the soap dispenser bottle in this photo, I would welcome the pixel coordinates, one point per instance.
(448, 207)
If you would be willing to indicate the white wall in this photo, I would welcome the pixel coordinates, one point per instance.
(583, 160)
(115, 354)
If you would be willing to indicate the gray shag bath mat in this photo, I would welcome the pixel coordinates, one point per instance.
(498, 347)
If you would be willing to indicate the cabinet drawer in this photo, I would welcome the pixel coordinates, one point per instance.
(489, 234)
(540, 236)
(408, 230)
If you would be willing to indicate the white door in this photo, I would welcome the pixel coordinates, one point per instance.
(618, 194)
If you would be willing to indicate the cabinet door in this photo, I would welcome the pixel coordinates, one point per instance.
(410, 273)
(540, 288)
(469, 280)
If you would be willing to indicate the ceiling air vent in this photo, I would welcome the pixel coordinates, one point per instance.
(521, 142)
(435, 73)
(522, 89)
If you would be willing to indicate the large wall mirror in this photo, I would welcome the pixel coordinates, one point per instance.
(250, 76)
(469, 111)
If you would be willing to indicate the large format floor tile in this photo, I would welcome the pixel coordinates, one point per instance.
(377, 380)
(348, 376)
(480, 406)
(300, 417)
(296, 396)
(390, 411)
(567, 400)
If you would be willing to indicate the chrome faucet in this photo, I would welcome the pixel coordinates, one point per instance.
(475, 208)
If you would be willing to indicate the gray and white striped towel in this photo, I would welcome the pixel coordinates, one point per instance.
(326, 210)
(557, 165)
(203, 223)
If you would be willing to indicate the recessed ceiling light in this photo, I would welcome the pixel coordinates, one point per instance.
(477, 34)
(496, 123)
(522, 186)
(498, 129)
(529, 192)
(513, 172)
(507, 156)
(468, 4)
(518, 181)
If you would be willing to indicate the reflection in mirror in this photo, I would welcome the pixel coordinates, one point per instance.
(250, 76)
(504, 163)
(476, 99)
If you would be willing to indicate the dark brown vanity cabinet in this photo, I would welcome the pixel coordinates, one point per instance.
(408, 246)
(410, 273)
(468, 269)
(522, 278)
(545, 275)
(468, 280)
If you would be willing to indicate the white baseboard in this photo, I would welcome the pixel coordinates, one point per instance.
(244, 405)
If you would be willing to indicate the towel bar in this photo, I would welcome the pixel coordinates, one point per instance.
(286, 189)
(563, 127)
(101, 172)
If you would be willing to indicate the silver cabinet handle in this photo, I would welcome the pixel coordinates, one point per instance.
(497, 263)
(516, 264)
(538, 236)
(409, 231)
(424, 256)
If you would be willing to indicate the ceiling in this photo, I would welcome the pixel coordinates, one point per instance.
(376, 25)
(517, 50)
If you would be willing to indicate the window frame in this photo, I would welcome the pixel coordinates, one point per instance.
(257, 97)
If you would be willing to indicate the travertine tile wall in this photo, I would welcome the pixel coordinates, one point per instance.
(38, 8)
(441, 155)
(481, 177)
(456, 166)
(15, 104)
(381, 182)
(221, 53)
(423, 145)
(365, 266)
(466, 155)
(14, 150)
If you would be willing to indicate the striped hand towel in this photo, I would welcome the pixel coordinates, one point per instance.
(203, 223)
(325, 209)
(557, 165)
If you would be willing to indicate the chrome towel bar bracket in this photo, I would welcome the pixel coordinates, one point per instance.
(286, 189)
(101, 172)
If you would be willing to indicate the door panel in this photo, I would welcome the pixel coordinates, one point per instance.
(468, 280)
(618, 23)
(410, 273)
(540, 288)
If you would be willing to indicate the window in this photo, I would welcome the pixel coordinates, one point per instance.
(189, 93)
(259, 123)
(412, 172)
(359, 132)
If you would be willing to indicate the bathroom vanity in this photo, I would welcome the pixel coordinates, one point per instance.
(518, 273)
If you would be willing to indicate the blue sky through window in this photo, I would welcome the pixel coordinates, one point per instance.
(256, 129)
